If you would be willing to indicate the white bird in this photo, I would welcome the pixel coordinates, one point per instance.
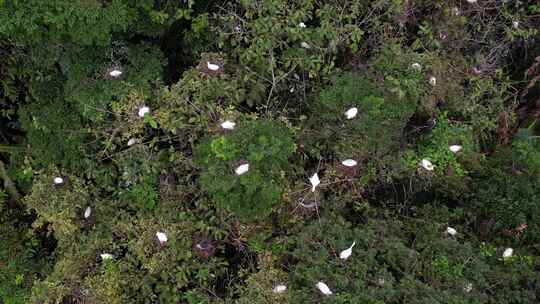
(115, 73)
(162, 237)
(305, 45)
(351, 113)
(228, 125)
(451, 231)
(280, 289)
(515, 24)
(87, 212)
(58, 180)
(456, 11)
(302, 25)
(433, 81)
(345, 254)
(131, 141)
(471, 1)
(211, 66)
(324, 288)
(426, 164)
(315, 181)
(349, 163)
(455, 148)
(468, 288)
(143, 111)
(508, 252)
(106, 256)
(416, 66)
(241, 169)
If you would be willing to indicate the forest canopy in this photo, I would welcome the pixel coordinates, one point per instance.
(269, 151)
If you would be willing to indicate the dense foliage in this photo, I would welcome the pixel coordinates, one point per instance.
(276, 151)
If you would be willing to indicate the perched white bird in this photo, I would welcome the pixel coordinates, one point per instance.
(162, 237)
(455, 11)
(515, 24)
(508, 252)
(228, 125)
(305, 45)
(324, 288)
(131, 141)
(349, 163)
(467, 288)
(143, 111)
(211, 66)
(345, 254)
(87, 212)
(58, 180)
(471, 1)
(433, 81)
(241, 169)
(315, 181)
(302, 25)
(115, 73)
(351, 113)
(416, 66)
(455, 148)
(451, 231)
(106, 256)
(426, 164)
(280, 289)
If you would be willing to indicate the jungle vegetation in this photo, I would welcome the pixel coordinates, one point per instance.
(270, 151)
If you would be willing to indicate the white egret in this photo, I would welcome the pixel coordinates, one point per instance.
(131, 141)
(87, 212)
(508, 252)
(455, 148)
(324, 288)
(280, 289)
(106, 256)
(228, 125)
(241, 169)
(143, 111)
(349, 163)
(426, 164)
(315, 181)
(345, 254)
(351, 113)
(211, 66)
(162, 237)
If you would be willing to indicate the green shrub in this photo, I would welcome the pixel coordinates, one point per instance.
(21, 257)
(506, 190)
(375, 136)
(266, 42)
(385, 267)
(267, 146)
